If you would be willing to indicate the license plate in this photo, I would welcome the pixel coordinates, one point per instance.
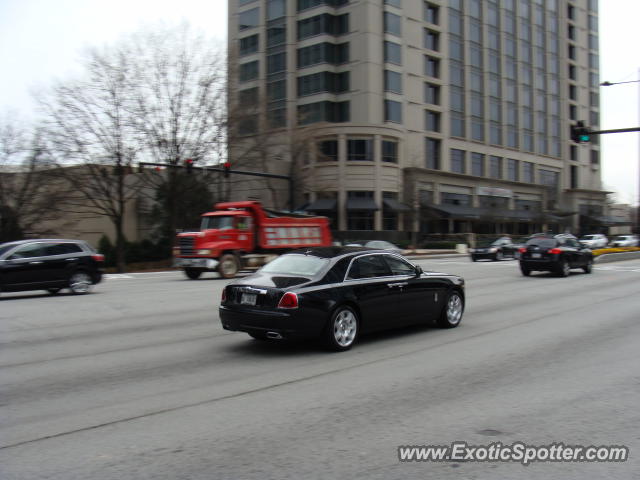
(248, 299)
(536, 255)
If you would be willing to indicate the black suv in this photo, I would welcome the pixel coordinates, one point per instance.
(49, 264)
(555, 253)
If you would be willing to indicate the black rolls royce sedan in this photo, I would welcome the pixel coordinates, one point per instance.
(555, 253)
(337, 293)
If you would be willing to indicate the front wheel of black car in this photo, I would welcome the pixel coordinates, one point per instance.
(342, 330)
(498, 256)
(564, 269)
(525, 271)
(451, 315)
(192, 273)
(589, 266)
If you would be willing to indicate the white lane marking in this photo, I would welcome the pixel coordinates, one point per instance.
(117, 276)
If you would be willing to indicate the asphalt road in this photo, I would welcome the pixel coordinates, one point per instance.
(138, 380)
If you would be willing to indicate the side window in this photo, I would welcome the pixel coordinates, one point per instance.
(399, 266)
(572, 243)
(243, 223)
(30, 250)
(369, 266)
(63, 249)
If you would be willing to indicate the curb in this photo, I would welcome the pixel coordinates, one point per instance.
(616, 257)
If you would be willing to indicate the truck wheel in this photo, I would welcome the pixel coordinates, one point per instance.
(229, 266)
(192, 273)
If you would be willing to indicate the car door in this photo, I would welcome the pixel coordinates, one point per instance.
(61, 259)
(422, 296)
(368, 277)
(573, 252)
(26, 267)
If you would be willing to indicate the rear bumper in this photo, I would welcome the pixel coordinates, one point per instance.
(289, 324)
(543, 265)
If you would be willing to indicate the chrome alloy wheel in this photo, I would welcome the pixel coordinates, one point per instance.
(454, 309)
(80, 282)
(345, 327)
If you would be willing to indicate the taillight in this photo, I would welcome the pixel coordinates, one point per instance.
(522, 250)
(554, 251)
(224, 295)
(288, 300)
(98, 257)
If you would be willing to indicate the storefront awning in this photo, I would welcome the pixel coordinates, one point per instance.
(322, 205)
(395, 206)
(367, 204)
(458, 211)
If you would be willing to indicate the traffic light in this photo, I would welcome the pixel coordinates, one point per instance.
(188, 163)
(580, 133)
(227, 167)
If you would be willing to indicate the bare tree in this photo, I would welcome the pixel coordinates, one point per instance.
(89, 130)
(155, 96)
(31, 197)
(178, 106)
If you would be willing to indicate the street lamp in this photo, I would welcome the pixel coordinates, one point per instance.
(608, 84)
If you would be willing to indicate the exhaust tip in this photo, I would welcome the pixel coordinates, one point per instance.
(274, 335)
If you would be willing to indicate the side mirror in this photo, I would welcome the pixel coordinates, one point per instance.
(418, 270)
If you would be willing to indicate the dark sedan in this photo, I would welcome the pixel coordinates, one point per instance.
(49, 264)
(336, 293)
(495, 250)
(558, 254)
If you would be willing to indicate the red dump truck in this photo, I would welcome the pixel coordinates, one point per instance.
(239, 235)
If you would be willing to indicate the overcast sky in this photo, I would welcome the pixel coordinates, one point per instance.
(42, 39)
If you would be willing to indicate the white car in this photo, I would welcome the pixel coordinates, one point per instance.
(596, 240)
(625, 241)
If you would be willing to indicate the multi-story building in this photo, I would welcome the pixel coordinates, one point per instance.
(425, 115)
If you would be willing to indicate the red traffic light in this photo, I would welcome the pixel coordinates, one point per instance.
(188, 163)
(227, 167)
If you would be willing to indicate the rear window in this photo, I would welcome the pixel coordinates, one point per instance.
(295, 264)
(542, 242)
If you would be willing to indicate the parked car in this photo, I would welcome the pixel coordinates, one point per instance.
(495, 250)
(596, 240)
(625, 241)
(49, 264)
(337, 293)
(383, 245)
(558, 253)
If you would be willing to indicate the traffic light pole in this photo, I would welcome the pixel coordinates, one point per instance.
(616, 130)
(225, 171)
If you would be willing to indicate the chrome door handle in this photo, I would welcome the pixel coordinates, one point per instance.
(35, 263)
(71, 259)
(399, 284)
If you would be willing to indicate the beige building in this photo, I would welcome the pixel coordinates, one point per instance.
(431, 116)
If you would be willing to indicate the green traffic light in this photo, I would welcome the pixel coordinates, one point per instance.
(584, 138)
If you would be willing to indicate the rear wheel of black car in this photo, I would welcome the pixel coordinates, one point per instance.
(525, 271)
(80, 283)
(564, 269)
(451, 315)
(498, 256)
(229, 266)
(589, 266)
(192, 273)
(342, 330)
(473, 259)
